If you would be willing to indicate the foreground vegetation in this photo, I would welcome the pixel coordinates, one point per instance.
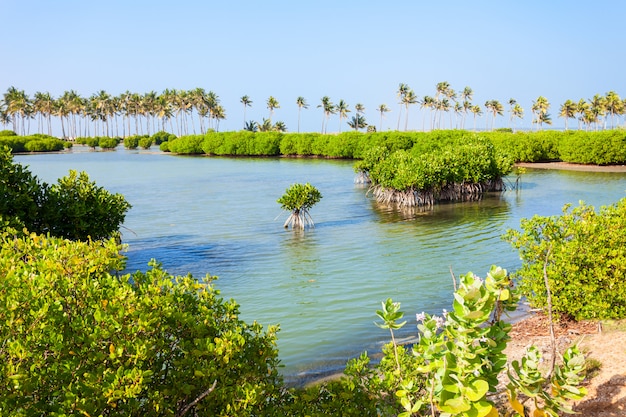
(74, 208)
(582, 256)
(81, 339)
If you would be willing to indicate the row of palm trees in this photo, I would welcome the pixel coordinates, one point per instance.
(104, 115)
(177, 111)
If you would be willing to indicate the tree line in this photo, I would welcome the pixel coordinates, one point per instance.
(184, 112)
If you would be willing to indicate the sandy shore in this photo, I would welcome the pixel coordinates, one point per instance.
(572, 167)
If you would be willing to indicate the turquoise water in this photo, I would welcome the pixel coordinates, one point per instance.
(219, 216)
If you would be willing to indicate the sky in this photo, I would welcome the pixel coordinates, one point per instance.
(358, 51)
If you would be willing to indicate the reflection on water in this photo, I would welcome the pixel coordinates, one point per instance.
(219, 216)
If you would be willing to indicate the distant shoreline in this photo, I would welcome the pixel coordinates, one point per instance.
(572, 167)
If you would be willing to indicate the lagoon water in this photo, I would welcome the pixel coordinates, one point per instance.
(219, 216)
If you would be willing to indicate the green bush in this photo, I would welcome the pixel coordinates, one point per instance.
(298, 143)
(160, 137)
(584, 256)
(22, 196)
(79, 340)
(298, 200)
(108, 143)
(607, 147)
(7, 133)
(436, 165)
(267, 143)
(92, 142)
(598, 148)
(15, 143)
(131, 142)
(33, 143)
(344, 145)
(78, 209)
(145, 142)
(74, 208)
(527, 146)
(187, 145)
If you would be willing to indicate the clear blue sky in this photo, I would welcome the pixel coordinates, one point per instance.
(358, 51)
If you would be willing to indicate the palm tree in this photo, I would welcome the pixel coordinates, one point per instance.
(17, 106)
(614, 106)
(408, 99)
(272, 104)
(213, 104)
(582, 107)
(512, 103)
(544, 118)
(540, 109)
(360, 109)
(266, 126)
(245, 100)
(589, 117)
(343, 110)
(568, 111)
(302, 104)
(476, 111)
(451, 96)
(402, 90)
(251, 126)
(517, 111)
(427, 103)
(382, 109)
(280, 127)
(98, 103)
(458, 111)
(329, 108)
(441, 91)
(73, 104)
(4, 116)
(43, 105)
(598, 108)
(219, 113)
(357, 122)
(496, 109)
(163, 110)
(466, 97)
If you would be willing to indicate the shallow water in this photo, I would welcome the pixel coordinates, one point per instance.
(219, 216)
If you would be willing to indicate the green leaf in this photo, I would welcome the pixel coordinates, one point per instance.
(455, 405)
(476, 390)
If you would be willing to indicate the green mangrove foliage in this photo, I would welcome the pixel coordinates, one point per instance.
(583, 254)
(297, 200)
(74, 208)
(430, 172)
(598, 148)
(541, 146)
(132, 142)
(146, 141)
(33, 143)
(455, 363)
(79, 340)
(104, 142)
(605, 147)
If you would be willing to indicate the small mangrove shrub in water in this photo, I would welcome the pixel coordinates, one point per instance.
(461, 169)
(298, 199)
